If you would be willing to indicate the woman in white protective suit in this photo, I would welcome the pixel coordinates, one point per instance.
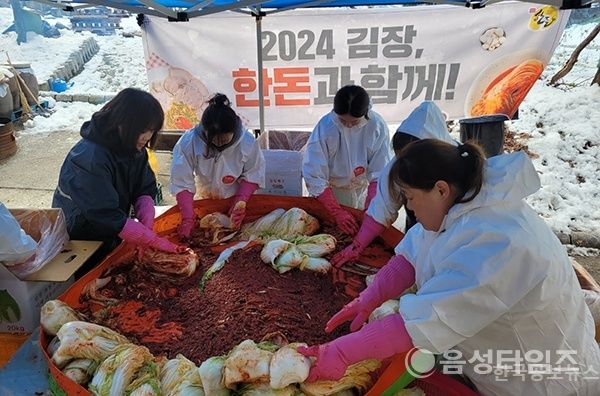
(217, 159)
(425, 122)
(495, 285)
(344, 155)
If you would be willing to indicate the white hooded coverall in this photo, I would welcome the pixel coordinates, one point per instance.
(425, 122)
(495, 279)
(216, 177)
(346, 159)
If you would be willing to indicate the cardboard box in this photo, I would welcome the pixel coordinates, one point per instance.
(21, 299)
(283, 174)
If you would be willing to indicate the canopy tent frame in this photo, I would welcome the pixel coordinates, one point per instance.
(182, 10)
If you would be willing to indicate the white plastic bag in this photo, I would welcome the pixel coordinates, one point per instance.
(15, 245)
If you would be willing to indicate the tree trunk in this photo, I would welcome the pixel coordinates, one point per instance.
(596, 79)
(573, 59)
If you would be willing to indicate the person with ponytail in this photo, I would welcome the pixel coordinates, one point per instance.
(345, 154)
(107, 173)
(492, 278)
(216, 159)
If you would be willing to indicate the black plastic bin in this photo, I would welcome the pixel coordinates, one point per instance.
(486, 130)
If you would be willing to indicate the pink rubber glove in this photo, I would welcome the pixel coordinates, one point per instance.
(144, 210)
(391, 280)
(138, 234)
(369, 230)
(377, 340)
(371, 192)
(245, 190)
(185, 201)
(343, 219)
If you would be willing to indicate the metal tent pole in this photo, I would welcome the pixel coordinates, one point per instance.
(261, 105)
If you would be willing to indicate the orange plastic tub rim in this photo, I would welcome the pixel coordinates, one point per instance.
(9, 344)
(258, 206)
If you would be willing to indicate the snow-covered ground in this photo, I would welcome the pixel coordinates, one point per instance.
(45, 54)
(119, 64)
(563, 125)
(560, 125)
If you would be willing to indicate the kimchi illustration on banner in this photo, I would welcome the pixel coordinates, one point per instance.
(505, 92)
(182, 96)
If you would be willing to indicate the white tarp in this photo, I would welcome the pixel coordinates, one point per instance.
(470, 62)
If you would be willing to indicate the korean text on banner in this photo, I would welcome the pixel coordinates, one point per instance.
(401, 55)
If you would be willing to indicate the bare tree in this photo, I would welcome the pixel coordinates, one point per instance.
(573, 59)
(596, 79)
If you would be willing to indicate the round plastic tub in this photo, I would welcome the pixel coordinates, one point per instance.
(258, 206)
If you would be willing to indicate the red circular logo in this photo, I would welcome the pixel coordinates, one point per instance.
(228, 179)
(359, 170)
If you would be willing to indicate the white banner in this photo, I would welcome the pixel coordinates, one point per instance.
(470, 62)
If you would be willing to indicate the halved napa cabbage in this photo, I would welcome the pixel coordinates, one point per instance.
(357, 376)
(288, 366)
(284, 256)
(261, 389)
(80, 370)
(186, 388)
(315, 264)
(175, 371)
(79, 340)
(273, 249)
(389, 307)
(170, 263)
(281, 224)
(211, 373)
(216, 228)
(289, 259)
(263, 225)
(215, 220)
(146, 382)
(145, 390)
(239, 205)
(247, 363)
(295, 221)
(315, 245)
(117, 371)
(56, 313)
(53, 346)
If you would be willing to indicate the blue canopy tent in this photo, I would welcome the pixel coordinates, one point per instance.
(182, 10)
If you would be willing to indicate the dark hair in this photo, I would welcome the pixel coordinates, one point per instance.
(219, 118)
(131, 113)
(353, 100)
(401, 139)
(424, 162)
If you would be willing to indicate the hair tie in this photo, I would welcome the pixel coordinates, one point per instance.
(464, 154)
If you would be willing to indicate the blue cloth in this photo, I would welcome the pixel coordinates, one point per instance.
(27, 372)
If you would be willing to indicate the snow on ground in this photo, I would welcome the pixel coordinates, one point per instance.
(119, 64)
(564, 128)
(66, 116)
(560, 125)
(45, 54)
